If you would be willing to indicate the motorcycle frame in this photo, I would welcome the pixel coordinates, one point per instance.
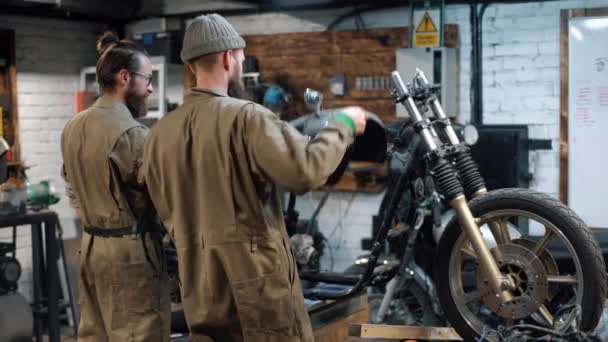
(438, 152)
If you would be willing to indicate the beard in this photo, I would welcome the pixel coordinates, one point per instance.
(137, 104)
(236, 88)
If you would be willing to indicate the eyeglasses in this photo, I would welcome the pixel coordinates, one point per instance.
(148, 78)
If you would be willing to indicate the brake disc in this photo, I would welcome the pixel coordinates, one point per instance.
(548, 261)
(526, 272)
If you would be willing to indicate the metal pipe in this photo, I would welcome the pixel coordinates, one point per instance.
(479, 64)
(474, 69)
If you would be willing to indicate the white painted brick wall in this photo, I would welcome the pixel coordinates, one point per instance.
(344, 221)
(525, 65)
(50, 54)
(521, 52)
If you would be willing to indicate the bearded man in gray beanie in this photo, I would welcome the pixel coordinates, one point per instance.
(212, 168)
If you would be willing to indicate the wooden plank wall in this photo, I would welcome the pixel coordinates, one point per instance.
(310, 59)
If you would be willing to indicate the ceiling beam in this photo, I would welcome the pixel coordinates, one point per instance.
(267, 6)
(133, 10)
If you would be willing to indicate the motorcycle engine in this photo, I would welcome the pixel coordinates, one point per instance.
(303, 249)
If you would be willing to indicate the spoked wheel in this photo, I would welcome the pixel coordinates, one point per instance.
(545, 251)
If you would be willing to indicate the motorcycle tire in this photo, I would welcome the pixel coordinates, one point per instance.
(556, 213)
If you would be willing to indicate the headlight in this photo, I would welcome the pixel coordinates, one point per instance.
(470, 134)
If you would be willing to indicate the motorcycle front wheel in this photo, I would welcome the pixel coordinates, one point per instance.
(545, 250)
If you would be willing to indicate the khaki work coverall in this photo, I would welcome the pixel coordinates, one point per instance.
(212, 168)
(122, 298)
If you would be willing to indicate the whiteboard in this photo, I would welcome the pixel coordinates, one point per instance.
(588, 119)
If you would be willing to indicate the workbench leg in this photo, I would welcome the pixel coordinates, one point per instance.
(37, 267)
(52, 278)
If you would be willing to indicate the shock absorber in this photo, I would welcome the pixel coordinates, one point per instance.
(446, 180)
(474, 184)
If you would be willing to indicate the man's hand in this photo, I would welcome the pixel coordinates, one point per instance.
(359, 117)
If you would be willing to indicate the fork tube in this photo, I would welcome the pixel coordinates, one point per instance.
(438, 109)
(406, 99)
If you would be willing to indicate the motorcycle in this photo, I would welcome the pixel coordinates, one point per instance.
(410, 297)
(411, 300)
(494, 265)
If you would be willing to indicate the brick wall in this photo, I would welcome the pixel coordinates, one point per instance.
(521, 76)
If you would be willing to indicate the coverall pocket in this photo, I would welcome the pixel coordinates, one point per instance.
(136, 288)
(264, 304)
(138, 313)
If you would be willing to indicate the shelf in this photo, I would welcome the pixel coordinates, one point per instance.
(17, 163)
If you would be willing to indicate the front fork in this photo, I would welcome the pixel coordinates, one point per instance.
(499, 283)
(445, 178)
(449, 185)
(474, 186)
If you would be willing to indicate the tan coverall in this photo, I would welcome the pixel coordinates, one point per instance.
(122, 298)
(212, 168)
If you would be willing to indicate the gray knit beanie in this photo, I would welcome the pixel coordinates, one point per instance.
(209, 34)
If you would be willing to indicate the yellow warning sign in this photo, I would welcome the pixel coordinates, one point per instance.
(426, 40)
(426, 33)
(426, 25)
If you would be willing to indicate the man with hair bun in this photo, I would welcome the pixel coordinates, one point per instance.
(122, 279)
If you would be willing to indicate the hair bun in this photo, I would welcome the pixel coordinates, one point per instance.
(106, 41)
